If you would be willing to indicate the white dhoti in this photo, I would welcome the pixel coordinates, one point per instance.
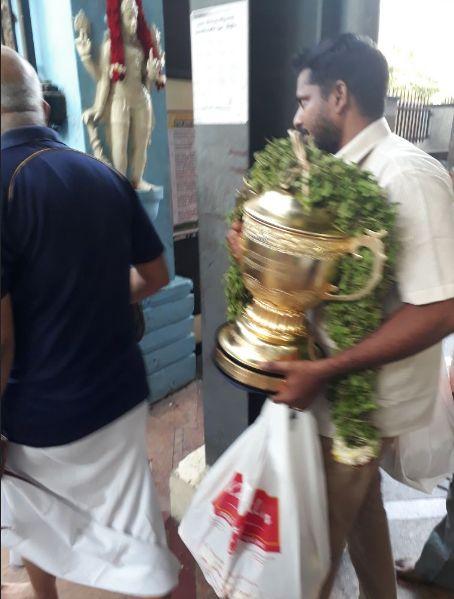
(92, 516)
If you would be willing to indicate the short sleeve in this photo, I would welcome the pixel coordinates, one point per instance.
(146, 245)
(425, 227)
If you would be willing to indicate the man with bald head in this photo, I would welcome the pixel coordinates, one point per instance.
(22, 100)
(77, 250)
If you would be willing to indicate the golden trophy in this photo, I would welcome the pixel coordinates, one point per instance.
(288, 265)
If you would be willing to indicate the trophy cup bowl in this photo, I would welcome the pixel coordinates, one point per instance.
(288, 265)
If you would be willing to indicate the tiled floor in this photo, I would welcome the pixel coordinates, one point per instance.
(175, 428)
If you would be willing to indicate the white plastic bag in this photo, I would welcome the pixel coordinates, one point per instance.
(258, 525)
(423, 458)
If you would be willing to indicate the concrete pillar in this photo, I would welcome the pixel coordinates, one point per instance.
(360, 16)
(277, 31)
(354, 16)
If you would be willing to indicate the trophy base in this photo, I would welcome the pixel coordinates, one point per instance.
(248, 378)
(241, 358)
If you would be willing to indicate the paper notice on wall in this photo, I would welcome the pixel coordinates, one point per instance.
(220, 68)
(182, 166)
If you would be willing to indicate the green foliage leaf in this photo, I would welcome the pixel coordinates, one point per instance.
(356, 202)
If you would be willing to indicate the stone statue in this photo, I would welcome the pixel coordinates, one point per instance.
(130, 63)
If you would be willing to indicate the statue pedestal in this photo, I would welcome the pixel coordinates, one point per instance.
(169, 343)
(151, 200)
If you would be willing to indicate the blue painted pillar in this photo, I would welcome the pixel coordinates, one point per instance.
(168, 345)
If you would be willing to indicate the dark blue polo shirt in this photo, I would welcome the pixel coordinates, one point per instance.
(70, 232)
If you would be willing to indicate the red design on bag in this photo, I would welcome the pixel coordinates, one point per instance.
(259, 526)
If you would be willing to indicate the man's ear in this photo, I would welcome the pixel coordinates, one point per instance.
(341, 96)
(46, 109)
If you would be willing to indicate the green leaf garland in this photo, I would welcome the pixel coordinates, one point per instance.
(355, 203)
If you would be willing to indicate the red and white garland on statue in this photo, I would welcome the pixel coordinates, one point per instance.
(117, 51)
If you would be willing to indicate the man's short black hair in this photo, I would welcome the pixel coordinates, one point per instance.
(358, 62)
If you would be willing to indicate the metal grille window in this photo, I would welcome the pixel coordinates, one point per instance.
(413, 114)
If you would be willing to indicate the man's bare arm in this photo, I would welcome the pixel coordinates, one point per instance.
(146, 279)
(410, 330)
(234, 240)
(7, 341)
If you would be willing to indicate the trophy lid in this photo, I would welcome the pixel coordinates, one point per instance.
(281, 210)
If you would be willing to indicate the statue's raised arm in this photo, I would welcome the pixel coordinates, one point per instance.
(156, 62)
(84, 45)
(96, 112)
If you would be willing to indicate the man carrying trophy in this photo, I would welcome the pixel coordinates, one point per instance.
(341, 90)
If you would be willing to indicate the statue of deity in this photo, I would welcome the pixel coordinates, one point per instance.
(131, 62)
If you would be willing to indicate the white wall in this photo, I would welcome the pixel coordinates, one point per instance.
(439, 129)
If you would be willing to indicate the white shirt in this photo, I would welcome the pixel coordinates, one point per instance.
(422, 190)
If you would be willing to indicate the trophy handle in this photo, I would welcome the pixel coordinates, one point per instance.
(373, 241)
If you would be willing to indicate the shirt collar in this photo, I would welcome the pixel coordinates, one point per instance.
(361, 145)
(26, 135)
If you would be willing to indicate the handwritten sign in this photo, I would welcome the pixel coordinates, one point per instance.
(182, 166)
(219, 39)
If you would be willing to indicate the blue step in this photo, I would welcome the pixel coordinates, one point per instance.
(164, 356)
(158, 316)
(168, 334)
(169, 342)
(177, 289)
(171, 378)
